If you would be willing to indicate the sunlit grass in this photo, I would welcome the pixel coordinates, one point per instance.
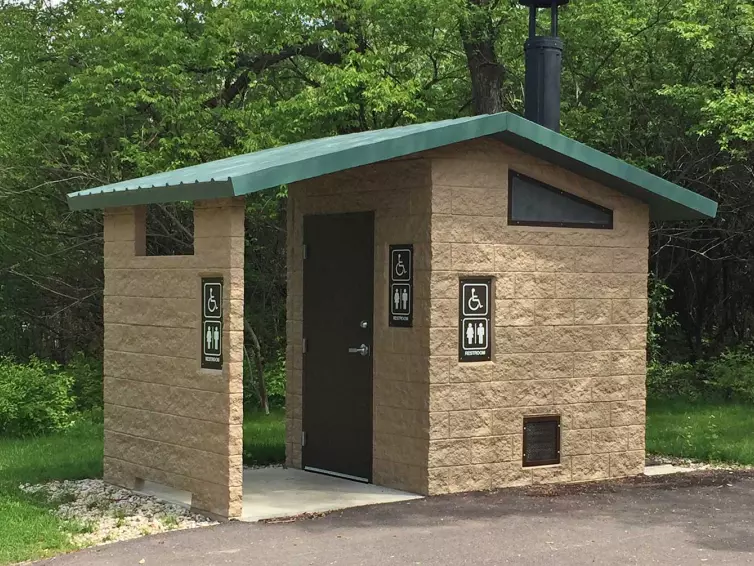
(264, 438)
(27, 528)
(702, 431)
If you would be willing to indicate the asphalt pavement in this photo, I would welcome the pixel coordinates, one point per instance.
(699, 518)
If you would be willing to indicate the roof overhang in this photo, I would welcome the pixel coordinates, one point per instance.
(244, 174)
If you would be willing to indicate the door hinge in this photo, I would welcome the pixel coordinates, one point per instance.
(303, 345)
(303, 438)
(306, 251)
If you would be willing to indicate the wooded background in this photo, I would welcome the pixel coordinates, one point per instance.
(97, 91)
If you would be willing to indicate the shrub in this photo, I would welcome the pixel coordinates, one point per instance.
(731, 376)
(87, 381)
(275, 378)
(34, 398)
(673, 380)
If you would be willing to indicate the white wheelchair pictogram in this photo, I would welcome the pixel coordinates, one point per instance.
(211, 301)
(400, 269)
(474, 303)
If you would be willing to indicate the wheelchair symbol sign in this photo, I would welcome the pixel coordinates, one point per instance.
(401, 262)
(476, 299)
(213, 300)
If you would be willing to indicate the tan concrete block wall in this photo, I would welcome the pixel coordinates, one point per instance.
(398, 192)
(570, 327)
(166, 419)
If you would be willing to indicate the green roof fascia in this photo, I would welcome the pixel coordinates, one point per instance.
(150, 195)
(667, 200)
(287, 164)
(244, 174)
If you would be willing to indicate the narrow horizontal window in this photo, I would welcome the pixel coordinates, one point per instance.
(532, 203)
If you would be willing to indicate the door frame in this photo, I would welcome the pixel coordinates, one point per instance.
(370, 215)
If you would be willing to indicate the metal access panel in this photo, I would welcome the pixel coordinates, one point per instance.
(212, 323)
(541, 441)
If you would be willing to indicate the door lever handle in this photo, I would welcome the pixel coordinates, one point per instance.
(363, 350)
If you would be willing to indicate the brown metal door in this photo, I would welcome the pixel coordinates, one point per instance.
(338, 321)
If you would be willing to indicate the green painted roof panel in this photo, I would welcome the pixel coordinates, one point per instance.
(243, 174)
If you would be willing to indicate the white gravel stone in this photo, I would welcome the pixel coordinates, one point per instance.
(107, 513)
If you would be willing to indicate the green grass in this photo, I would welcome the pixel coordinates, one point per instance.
(27, 528)
(702, 431)
(264, 438)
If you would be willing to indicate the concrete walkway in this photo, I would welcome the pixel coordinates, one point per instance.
(270, 493)
(284, 492)
(697, 518)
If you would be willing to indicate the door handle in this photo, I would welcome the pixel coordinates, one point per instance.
(363, 350)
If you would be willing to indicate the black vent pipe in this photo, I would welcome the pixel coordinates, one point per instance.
(544, 60)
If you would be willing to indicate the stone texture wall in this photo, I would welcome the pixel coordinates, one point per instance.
(570, 326)
(166, 419)
(398, 192)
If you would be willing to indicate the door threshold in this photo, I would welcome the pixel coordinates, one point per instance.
(336, 474)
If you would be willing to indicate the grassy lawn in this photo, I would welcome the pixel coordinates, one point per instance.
(264, 438)
(703, 431)
(27, 528)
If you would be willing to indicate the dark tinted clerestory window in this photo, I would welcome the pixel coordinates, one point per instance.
(532, 203)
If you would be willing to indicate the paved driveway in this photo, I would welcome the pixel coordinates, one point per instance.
(701, 518)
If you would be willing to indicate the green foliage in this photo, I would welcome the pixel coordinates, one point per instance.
(34, 398)
(99, 91)
(671, 380)
(87, 377)
(729, 377)
(661, 323)
(275, 379)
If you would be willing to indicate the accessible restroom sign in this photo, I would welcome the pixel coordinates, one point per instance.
(401, 286)
(475, 319)
(212, 323)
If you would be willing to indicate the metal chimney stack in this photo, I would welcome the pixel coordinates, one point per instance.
(544, 55)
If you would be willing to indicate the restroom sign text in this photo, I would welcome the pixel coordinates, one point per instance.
(212, 323)
(475, 319)
(401, 287)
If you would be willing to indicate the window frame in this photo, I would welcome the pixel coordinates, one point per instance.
(542, 223)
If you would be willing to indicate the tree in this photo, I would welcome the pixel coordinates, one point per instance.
(94, 92)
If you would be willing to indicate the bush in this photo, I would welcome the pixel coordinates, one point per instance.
(87, 381)
(35, 398)
(274, 375)
(673, 380)
(729, 377)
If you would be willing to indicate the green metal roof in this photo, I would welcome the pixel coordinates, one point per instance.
(268, 168)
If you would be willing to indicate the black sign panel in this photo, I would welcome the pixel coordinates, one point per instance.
(212, 322)
(541, 441)
(475, 320)
(401, 286)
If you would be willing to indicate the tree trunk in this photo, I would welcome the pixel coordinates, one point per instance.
(252, 383)
(479, 35)
(257, 350)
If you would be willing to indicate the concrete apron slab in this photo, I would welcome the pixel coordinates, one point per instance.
(665, 469)
(270, 493)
